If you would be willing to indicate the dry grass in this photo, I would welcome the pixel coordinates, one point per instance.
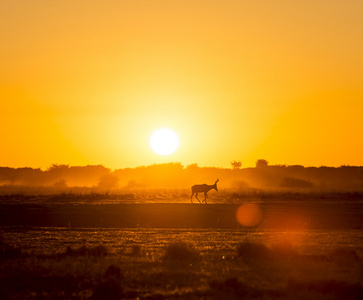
(46, 195)
(250, 269)
(306, 250)
(97, 251)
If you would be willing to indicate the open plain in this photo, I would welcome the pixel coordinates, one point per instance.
(124, 250)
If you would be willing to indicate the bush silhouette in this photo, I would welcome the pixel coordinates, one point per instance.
(108, 181)
(261, 163)
(236, 165)
(181, 251)
(251, 251)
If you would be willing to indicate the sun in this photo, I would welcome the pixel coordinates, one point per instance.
(164, 141)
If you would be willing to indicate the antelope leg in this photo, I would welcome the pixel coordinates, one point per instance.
(196, 196)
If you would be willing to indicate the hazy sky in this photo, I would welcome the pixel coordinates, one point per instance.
(87, 82)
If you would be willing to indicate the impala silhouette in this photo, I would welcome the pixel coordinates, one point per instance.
(203, 188)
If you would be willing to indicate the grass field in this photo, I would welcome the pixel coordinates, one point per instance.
(299, 250)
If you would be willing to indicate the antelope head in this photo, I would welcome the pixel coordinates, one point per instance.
(215, 185)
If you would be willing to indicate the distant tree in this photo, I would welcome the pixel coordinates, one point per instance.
(296, 167)
(9, 174)
(61, 183)
(192, 166)
(236, 165)
(261, 163)
(56, 167)
(109, 181)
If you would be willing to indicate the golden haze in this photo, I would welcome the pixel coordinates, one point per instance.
(88, 82)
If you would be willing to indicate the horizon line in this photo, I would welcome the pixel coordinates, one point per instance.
(184, 166)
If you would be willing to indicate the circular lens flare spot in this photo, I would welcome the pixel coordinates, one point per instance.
(164, 141)
(249, 215)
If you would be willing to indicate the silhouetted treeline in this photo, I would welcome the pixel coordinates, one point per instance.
(55, 175)
(175, 175)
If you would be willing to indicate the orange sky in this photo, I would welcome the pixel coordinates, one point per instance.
(87, 82)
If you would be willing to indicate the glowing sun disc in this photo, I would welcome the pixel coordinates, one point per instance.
(164, 141)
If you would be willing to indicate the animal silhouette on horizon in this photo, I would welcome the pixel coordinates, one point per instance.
(203, 188)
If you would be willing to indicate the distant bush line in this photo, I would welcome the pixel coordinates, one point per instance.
(175, 175)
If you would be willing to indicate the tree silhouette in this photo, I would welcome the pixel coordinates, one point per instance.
(109, 181)
(261, 163)
(61, 183)
(236, 165)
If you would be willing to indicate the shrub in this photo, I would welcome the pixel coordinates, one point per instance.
(339, 289)
(284, 250)
(109, 181)
(250, 251)
(113, 272)
(110, 286)
(261, 163)
(181, 251)
(233, 288)
(61, 183)
(255, 251)
(136, 250)
(236, 165)
(7, 251)
(343, 253)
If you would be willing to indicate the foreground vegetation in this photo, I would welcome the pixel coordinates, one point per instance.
(169, 267)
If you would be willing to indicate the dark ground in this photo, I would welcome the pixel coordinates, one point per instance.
(300, 250)
(275, 216)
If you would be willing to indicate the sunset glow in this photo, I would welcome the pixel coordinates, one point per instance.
(181, 149)
(83, 82)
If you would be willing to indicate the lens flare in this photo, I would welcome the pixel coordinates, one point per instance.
(249, 215)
